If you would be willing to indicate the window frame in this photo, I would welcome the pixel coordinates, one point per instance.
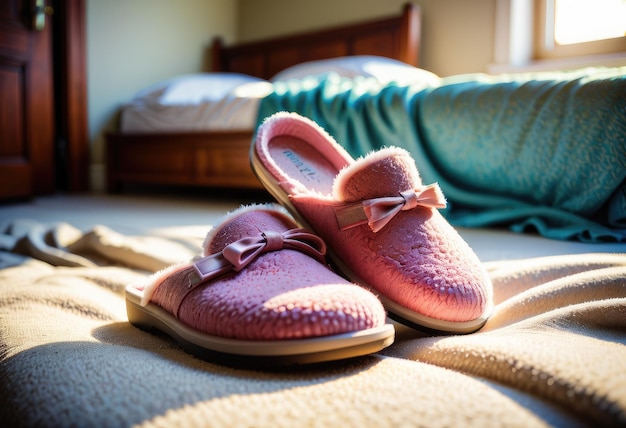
(517, 31)
(545, 47)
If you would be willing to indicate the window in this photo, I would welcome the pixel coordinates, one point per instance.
(526, 34)
(576, 22)
(571, 28)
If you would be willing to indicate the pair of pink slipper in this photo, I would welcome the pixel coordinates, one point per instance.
(263, 290)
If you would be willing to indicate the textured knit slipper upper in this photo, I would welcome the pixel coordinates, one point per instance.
(380, 222)
(261, 290)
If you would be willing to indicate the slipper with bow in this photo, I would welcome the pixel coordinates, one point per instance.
(261, 294)
(380, 222)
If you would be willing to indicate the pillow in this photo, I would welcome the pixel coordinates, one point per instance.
(195, 88)
(386, 70)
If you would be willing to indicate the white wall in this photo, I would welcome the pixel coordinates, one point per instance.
(457, 35)
(134, 43)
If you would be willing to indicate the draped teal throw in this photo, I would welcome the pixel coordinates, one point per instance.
(542, 153)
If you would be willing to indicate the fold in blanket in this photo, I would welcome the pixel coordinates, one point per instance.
(543, 152)
(554, 353)
(64, 245)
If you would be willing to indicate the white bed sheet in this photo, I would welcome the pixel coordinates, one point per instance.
(235, 112)
(226, 101)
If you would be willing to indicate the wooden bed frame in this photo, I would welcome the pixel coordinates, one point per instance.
(220, 159)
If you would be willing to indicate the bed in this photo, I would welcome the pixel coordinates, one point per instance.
(217, 155)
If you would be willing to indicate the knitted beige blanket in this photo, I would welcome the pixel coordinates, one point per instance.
(553, 354)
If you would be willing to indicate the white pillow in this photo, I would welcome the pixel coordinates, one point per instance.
(195, 88)
(386, 70)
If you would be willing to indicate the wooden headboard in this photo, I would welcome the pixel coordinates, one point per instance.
(395, 37)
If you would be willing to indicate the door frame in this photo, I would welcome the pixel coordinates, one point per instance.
(71, 115)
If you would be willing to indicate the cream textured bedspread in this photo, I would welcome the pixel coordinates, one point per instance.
(554, 352)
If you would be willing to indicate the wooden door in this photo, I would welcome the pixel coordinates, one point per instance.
(26, 103)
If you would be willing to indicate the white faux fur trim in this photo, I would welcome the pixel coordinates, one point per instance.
(236, 213)
(153, 281)
(365, 162)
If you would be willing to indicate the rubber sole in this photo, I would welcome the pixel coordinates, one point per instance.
(257, 352)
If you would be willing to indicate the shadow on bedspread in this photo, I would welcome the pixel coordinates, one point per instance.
(554, 353)
(543, 152)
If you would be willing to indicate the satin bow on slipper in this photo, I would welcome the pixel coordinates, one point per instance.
(239, 254)
(377, 212)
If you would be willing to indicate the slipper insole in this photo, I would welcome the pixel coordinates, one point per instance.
(302, 162)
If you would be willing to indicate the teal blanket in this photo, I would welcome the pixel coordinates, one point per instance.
(544, 153)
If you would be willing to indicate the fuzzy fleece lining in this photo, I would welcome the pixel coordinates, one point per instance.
(307, 132)
(364, 164)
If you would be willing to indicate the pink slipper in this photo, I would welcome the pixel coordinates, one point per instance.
(261, 290)
(380, 222)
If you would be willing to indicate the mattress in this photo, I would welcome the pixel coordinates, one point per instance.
(224, 101)
(234, 110)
